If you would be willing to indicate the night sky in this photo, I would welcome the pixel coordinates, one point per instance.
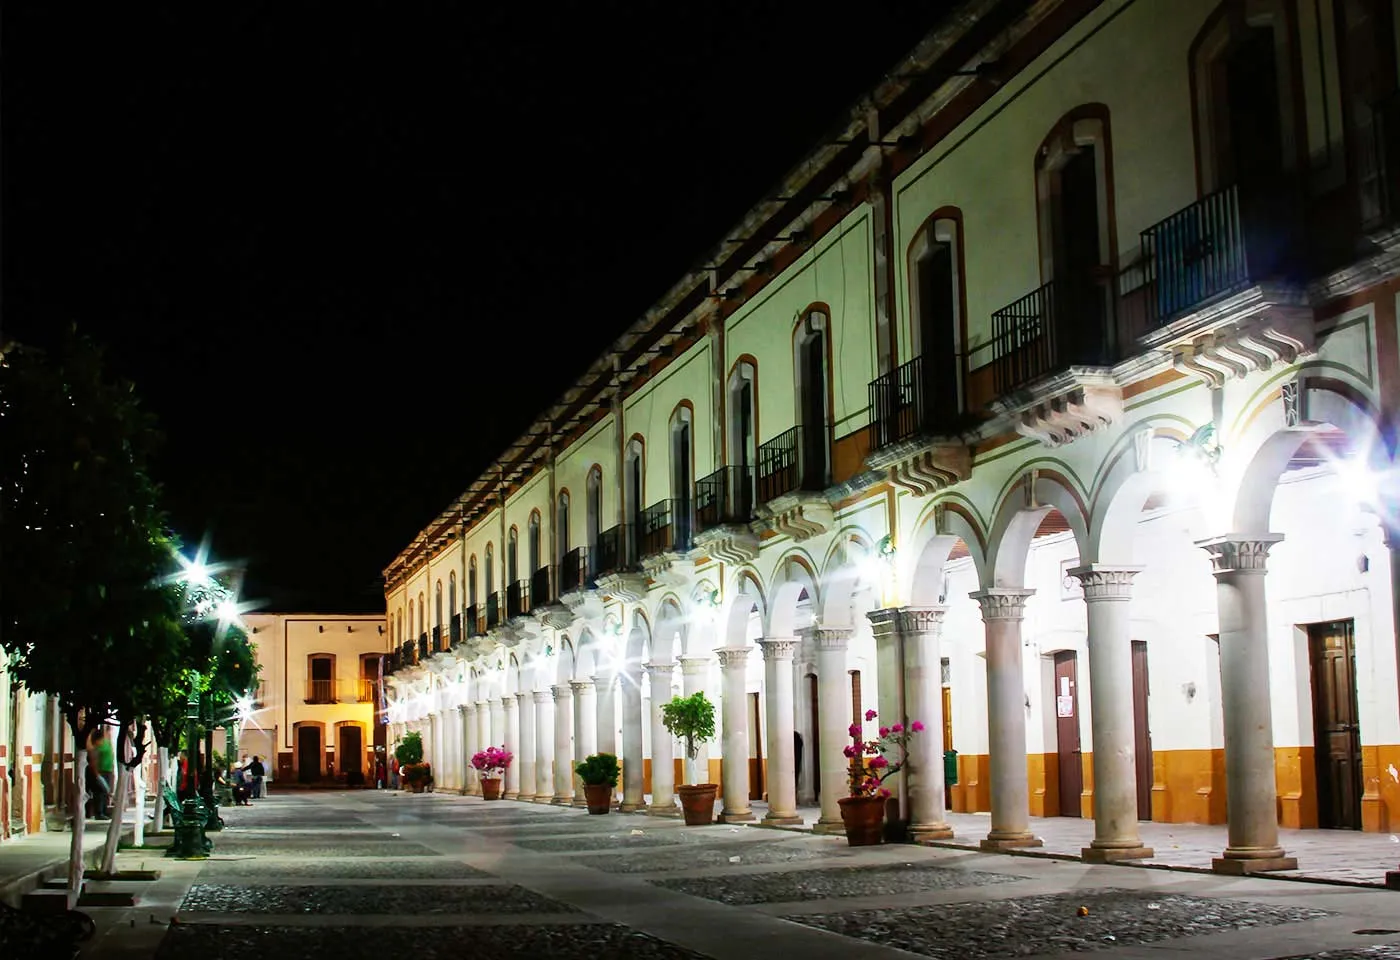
(348, 252)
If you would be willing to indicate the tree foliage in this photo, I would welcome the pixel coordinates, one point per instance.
(691, 718)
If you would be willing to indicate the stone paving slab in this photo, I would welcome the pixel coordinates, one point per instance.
(615, 841)
(549, 828)
(359, 868)
(593, 941)
(1049, 924)
(391, 900)
(1378, 952)
(749, 854)
(225, 845)
(830, 883)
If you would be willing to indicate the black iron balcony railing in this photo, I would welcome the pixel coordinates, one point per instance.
(617, 550)
(454, 631)
(320, 691)
(518, 599)
(1050, 329)
(422, 647)
(474, 615)
(913, 401)
(493, 611)
(665, 528)
(573, 571)
(793, 460)
(724, 497)
(437, 644)
(542, 587)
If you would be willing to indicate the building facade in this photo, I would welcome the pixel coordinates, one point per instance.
(315, 716)
(1050, 404)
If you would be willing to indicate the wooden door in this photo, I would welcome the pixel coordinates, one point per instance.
(1142, 735)
(308, 754)
(352, 753)
(756, 785)
(1071, 773)
(815, 747)
(947, 741)
(1336, 732)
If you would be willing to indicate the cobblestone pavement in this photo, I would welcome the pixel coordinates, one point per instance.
(381, 876)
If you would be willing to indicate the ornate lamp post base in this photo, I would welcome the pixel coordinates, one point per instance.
(189, 842)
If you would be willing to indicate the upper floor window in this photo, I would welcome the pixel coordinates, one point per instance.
(936, 303)
(490, 571)
(471, 582)
(422, 615)
(681, 454)
(437, 605)
(512, 556)
(533, 541)
(742, 428)
(811, 358)
(320, 676)
(595, 505)
(634, 464)
(562, 521)
(452, 592)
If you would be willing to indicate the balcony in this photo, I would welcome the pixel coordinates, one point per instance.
(517, 599)
(665, 528)
(573, 571)
(910, 410)
(474, 616)
(454, 634)
(542, 589)
(782, 468)
(423, 650)
(616, 551)
(493, 611)
(339, 691)
(723, 513)
(437, 643)
(792, 478)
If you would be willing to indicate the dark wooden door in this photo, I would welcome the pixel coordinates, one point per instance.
(352, 753)
(1067, 732)
(1337, 735)
(1142, 735)
(756, 784)
(938, 320)
(947, 741)
(814, 392)
(308, 754)
(815, 746)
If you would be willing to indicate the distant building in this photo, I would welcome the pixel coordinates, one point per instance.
(315, 709)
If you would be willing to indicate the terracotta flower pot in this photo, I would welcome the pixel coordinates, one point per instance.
(698, 803)
(415, 786)
(864, 818)
(598, 796)
(491, 789)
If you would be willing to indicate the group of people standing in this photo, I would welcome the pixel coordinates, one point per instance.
(248, 778)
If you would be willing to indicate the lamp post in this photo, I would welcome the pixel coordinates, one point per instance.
(189, 842)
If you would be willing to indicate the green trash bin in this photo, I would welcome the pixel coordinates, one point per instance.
(950, 767)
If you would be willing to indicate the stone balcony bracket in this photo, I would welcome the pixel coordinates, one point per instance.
(1060, 409)
(584, 604)
(800, 515)
(924, 466)
(628, 586)
(729, 543)
(556, 616)
(670, 568)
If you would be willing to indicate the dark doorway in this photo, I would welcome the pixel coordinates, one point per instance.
(1078, 256)
(1249, 127)
(1071, 772)
(756, 784)
(1142, 736)
(322, 681)
(947, 737)
(308, 754)
(938, 329)
(815, 746)
(814, 406)
(1336, 733)
(352, 755)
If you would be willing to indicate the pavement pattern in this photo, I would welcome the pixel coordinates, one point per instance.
(382, 875)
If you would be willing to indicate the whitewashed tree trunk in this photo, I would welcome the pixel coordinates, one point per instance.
(75, 849)
(139, 837)
(162, 775)
(114, 826)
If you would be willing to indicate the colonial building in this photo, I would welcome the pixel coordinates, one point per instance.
(1049, 403)
(314, 718)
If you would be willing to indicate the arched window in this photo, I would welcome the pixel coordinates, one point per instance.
(940, 325)
(682, 456)
(811, 359)
(512, 557)
(634, 466)
(533, 541)
(563, 525)
(320, 678)
(595, 505)
(437, 605)
(422, 615)
(471, 583)
(452, 593)
(490, 570)
(742, 429)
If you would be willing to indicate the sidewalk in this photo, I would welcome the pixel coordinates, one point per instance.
(1330, 856)
(27, 862)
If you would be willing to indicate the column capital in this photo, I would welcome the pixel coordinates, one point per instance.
(828, 638)
(544, 696)
(909, 621)
(581, 687)
(522, 696)
(695, 666)
(1002, 603)
(483, 704)
(662, 670)
(778, 648)
(732, 657)
(465, 708)
(604, 681)
(562, 691)
(508, 700)
(1105, 582)
(1239, 552)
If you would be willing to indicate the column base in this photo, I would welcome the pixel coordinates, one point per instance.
(996, 842)
(579, 802)
(665, 810)
(736, 816)
(1115, 854)
(544, 798)
(1240, 866)
(927, 832)
(627, 806)
(564, 801)
(781, 819)
(830, 828)
(525, 797)
(510, 796)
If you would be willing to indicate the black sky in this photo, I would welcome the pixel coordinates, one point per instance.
(347, 252)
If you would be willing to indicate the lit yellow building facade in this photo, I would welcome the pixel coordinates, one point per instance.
(1050, 404)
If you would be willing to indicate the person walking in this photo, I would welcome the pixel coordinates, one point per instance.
(103, 759)
(257, 771)
(394, 773)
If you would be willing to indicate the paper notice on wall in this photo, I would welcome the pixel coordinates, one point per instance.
(1064, 686)
(1064, 706)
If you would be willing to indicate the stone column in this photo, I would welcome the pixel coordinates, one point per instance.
(468, 719)
(511, 742)
(694, 670)
(605, 691)
(633, 797)
(544, 746)
(498, 728)
(563, 745)
(483, 725)
(918, 630)
(1108, 593)
(1002, 611)
(889, 691)
(778, 717)
(1251, 795)
(834, 718)
(663, 762)
(734, 756)
(585, 732)
(525, 745)
(1391, 510)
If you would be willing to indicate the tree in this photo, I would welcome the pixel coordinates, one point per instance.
(86, 548)
(692, 719)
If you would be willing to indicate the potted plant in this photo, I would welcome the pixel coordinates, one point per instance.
(692, 719)
(599, 773)
(417, 776)
(409, 751)
(863, 812)
(492, 763)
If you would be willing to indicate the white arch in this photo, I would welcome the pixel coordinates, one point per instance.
(1017, 520)
(791, 580)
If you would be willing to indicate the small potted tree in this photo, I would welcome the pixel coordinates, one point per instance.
(692, 719)
(863, 812)
(409, 752)
(599, 773)
(492, 763)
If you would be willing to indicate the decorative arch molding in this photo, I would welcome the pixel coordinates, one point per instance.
(794, 574)
(1018, 519)
(1135, 469)
(943, 526)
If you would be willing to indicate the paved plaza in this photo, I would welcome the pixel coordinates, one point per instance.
(388, 875)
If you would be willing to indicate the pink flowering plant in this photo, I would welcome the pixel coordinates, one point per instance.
(492, 762)
(871, 760)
